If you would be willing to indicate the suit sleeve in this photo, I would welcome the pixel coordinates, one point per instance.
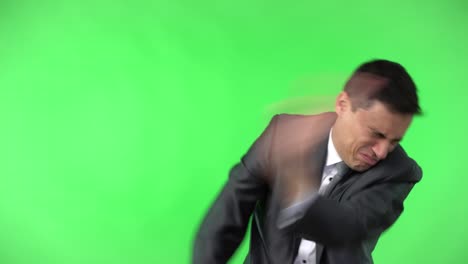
(225, 224)
(366, 214)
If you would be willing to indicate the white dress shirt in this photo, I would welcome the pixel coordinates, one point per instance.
(306, 253)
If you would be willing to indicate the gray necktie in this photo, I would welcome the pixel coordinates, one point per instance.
(291, 214)
(342, 169)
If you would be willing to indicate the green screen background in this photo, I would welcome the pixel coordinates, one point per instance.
(120, 119)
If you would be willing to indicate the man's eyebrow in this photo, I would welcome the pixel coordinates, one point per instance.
(383, 135)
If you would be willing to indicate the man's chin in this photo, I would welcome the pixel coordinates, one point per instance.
(361, 167)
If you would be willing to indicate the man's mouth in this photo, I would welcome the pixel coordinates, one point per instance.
(367, 159)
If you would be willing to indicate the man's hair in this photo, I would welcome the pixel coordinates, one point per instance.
(384, 81)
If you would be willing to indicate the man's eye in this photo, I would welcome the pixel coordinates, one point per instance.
(377, 135)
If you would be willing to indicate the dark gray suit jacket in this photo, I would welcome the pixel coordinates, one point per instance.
(345, 223)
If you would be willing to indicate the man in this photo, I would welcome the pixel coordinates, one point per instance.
(322, 188)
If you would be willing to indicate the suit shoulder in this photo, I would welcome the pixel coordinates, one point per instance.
(295, 134)
(304, 121)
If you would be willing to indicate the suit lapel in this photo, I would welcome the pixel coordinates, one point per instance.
(317, 156)
(321, 159)
(302, 150)
(318, 159)
(319, 247)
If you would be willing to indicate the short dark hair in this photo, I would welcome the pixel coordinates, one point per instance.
(385, 81)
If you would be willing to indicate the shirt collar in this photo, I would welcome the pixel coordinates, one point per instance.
(332, 155)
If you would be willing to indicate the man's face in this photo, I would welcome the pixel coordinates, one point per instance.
(365, 136)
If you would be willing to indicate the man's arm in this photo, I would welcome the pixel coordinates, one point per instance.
(366, 214)
(225, 224)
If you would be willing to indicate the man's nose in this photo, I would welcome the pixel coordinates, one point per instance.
(381, 149)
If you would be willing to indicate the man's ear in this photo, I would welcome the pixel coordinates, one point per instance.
(343, 103)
